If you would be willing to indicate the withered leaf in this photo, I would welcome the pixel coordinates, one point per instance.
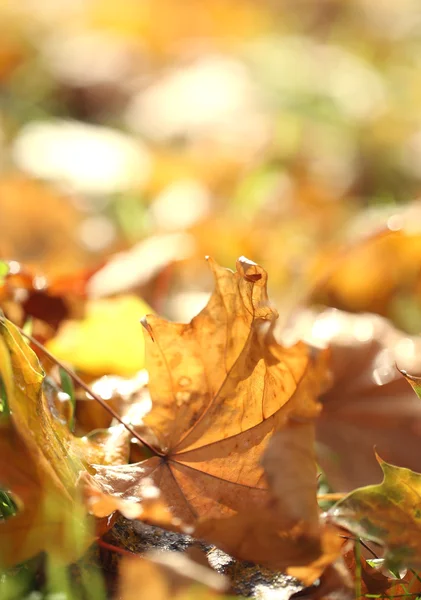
(287, 531)
(168, 575)
(378, 580)
(220, 387)
(368, 404)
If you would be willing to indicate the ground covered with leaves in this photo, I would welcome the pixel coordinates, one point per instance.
(220, 441)
(166, 430)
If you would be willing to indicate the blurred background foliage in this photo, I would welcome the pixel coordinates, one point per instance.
(287, 131)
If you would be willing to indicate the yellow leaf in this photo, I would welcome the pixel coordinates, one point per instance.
(107, 341)
(40, 461)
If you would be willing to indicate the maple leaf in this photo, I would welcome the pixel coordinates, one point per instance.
(388, 514)
(376, 580)
(40, 460)
(368, 403)
(168, 575)
(220, 387)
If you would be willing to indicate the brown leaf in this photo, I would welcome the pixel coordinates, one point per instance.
(151, 507)
(28, 294)
(24, 295)
(335, 582)
(38, 225)
(378, 581)
(369, 403)
(168, 575)
(221, 386)
(287, 531)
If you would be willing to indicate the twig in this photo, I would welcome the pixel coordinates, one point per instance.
(392, 596)
(348, 537)
(113, 548)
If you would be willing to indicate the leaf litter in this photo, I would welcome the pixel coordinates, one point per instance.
(232, 453)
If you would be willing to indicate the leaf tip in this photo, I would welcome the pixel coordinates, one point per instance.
(249, 270)
(378, 457)
(408, 376)
(413, 380)
(145, 324)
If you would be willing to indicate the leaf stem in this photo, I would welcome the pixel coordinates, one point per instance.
(353, 539)
(392, 596)
(87, 389)
(333, 496)
(358, 568)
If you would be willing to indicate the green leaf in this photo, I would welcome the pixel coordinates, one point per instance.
(40, 461)
(388, 513)
(4, 406)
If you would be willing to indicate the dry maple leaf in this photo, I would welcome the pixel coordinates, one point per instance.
(166, 576)
(220, 387)
(40, 460)
(287, 532)
(368, 404)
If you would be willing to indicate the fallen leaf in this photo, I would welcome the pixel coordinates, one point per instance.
(335, 582)
(387, 247)
(338, 282)
(106, 341)
(151, 508)
(106, 446)
(388, 514)
(378, 580)
(28, 295)
(35, 465)
(40, 461)
(38, 225)
(368, 404)
(128, 397)
(220, 387)
(287, 533)
(132, 270)
(332, 545)
(166, 576)
(24, 295)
